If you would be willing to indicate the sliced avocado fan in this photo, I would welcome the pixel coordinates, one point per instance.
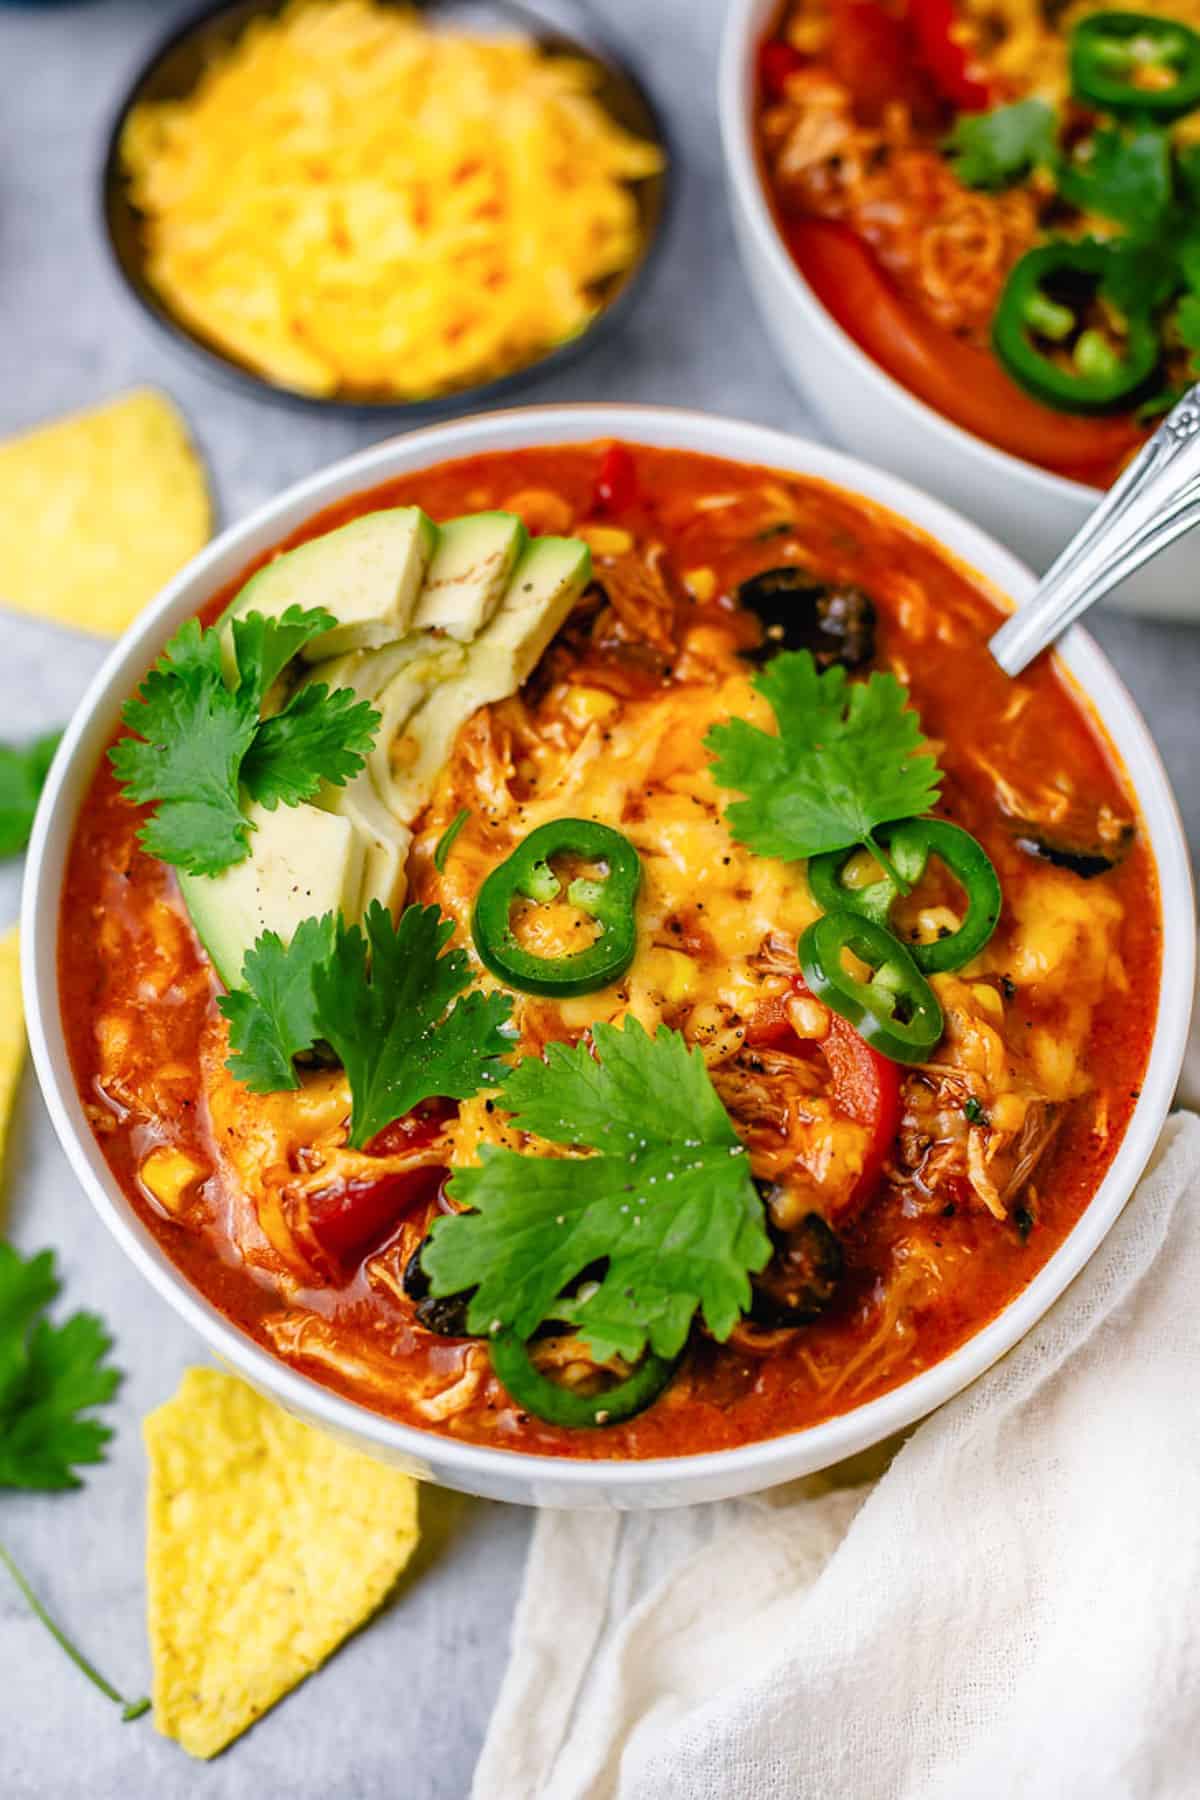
(432, 623)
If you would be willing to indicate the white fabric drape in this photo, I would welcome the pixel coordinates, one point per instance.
(1011, 1609)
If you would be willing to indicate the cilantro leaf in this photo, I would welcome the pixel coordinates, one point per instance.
(1125, 176)
(192, 735)
(666, 1202)
(50, 1376)
(317, 737)
(1187, 321)
(22, 773)
(848, 756)
(274, 1017)
(263, 647)
(199, 738)
(1139, 275)
(381, 1003)
(992, 149)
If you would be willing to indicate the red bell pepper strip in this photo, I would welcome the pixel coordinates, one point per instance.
(866, 1085)
(349, 1218)
(776, 61)
(870, 53)
(958, 77)
(616, 481)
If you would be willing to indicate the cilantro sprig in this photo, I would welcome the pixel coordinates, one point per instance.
(847, 758)
(664, 1204)
(388, 1000)
(200, 740)
(992, 149)
(22, 773)
(52, 1378)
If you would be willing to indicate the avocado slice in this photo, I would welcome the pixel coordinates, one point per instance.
(469, 574)
(303, 863)
(368, 574)
(547, 581)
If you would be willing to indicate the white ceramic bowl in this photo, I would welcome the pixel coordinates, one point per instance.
(506, 1475)
(873, 415)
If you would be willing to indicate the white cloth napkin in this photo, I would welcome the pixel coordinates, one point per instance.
(1012, 1610)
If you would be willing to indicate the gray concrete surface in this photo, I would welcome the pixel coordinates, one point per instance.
(401, 1711)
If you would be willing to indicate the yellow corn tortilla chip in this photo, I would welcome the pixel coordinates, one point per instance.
(12, 1030)
(98, 511)
(268, 1544)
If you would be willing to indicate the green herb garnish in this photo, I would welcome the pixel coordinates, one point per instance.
(446, 842)
(52, 1377)
(1125, 176)
(974, 1112)
(664, 1209)
(848, 757)
(22, 773)
(381, 999)
(993, 149)
(200, 739)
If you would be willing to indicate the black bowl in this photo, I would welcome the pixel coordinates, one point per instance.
(172, 71)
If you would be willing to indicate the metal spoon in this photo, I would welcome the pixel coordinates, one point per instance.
(1153, 502)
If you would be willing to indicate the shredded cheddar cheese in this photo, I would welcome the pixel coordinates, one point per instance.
(353, 202)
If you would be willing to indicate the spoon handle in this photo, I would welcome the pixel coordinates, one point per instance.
(1153, 502)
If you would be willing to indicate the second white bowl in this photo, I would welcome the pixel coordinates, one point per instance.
(873, 415)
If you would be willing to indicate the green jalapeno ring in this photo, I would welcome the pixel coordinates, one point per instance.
(898, 1012)
(1100, 379)
(610, 901)
(876, 899)
(556, 1405)
(911, 843)
(1108, 48)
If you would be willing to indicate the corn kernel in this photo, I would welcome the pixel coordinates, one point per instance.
(168, 1174)
(988, 1000)
(584, 705)
(1007, 1113)
(701, 584)
(606, 540)
(667, 972)
(807, 1017)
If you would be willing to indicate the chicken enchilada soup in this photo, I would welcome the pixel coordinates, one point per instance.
(999, 201)
(582, 950)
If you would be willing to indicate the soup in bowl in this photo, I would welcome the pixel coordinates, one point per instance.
(592, 976)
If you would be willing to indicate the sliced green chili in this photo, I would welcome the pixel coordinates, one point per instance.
(610, 900)
(910, 844)
(546, 1399)
(1133, 63)
(897, 1011)
(1040, 332)
(445, 843)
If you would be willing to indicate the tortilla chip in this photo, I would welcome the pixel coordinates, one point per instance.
(269, 1543)
(12, 1030)
(98, 511)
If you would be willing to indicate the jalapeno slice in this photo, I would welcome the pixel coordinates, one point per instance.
(557, 1405)
(897, 1012)
(910, 844)
(1136, 63)
(610, 900)
(1041, 334)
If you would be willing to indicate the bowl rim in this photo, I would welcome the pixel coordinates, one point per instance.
(744, 24)
(748, 1467)
(611, 316)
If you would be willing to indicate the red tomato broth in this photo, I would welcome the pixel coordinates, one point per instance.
(934, 618)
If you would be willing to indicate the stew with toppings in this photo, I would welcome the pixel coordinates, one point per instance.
(735, 1016)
